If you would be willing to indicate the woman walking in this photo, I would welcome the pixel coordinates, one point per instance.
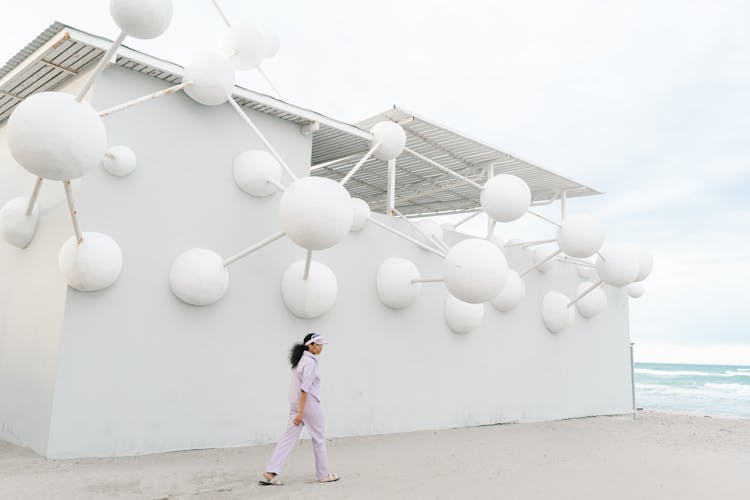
(305, 410)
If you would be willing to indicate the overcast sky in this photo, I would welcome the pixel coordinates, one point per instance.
(646, 100)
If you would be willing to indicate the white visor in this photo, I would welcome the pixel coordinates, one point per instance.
(316, 339)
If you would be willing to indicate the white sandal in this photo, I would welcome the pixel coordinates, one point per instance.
(332, 476)
(274, 481)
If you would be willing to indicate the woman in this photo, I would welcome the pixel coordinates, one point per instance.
(305, 410)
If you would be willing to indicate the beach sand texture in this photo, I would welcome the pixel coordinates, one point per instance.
(654, 456)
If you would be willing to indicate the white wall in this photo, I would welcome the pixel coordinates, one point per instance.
(140, 372)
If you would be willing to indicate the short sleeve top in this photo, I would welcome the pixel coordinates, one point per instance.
(305, 377)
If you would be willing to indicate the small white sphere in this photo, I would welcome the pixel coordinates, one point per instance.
(16, 227)
(619, 266)
(505, 198)
(122, 162)
(394, 285)
(198, 277)
(636, 290)
(462, 317)
(593, 303)
(541, 253)
(512, 293)
(555, 311)
(392, 140)
(92, 265)
(311, 297)
(271, 44)
(252, 170)
(143, 19)
(212, 77)
(644, 258)
(475, 270)
(53, 136)
(361, 211)
(431, 228)
(580, 235)
(244, 45)
(586, 272)
(316, 212)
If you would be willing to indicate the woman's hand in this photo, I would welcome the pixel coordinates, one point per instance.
(298, 418)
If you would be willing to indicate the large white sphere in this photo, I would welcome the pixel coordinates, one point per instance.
(644, 258)
(392, 140)
(593, 303)
(619, 266)
(143, 19)
(461, 316)
(394, 285)
(212, 77)
(93, 264)
(244, 45)
(316, 213)
(16, 227)
(475, 270)
(271, 44)
(311, 297)
(512, 293)
(431, 228)
(252, 170)
(555, 311)
(580, 235)
(541, 253)
(198, 277)
(361, 211)
(122, 163)
(636, 290)
(506, 198)
(53, 136)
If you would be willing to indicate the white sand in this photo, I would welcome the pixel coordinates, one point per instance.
(655, 456)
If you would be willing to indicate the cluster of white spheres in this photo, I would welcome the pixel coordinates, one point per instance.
(394, 282)
(143, 19)
(616, 266)
(592, 303)
(246, 46)
(475, 270)
(580, 235)
(512, 294)
(391, 137)
(462, 317)
(311, 297)
(119, 161)
(252, 171)
(93, 264)
(505, 198)
(16, 227)
(556, 314)
(360, 213)
(316, 212)
(198, 277)
(52, 135)
(212, 78)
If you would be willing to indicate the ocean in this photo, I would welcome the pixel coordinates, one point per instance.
(704, 389)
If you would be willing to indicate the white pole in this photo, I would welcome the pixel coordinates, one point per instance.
(34, 195)
(541, 263)
(270, 83)
(145, 98)
(262, 138)
(545, 219)
(529, 243)
(421, 231)
(73, 211)
(223, 17)
(252, 249)
(563, 200)
(407, 238)
(632, 378)
(391, 186)
(276, 184)
(467, 219)
(100, 67)
(441, 167)
(586, 292)
(360, 163)
(491, 228)
(427, 280)
(308, 260)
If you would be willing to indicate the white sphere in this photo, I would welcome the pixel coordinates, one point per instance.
(462, 317)
(475, 270)
(593, 303)
(644, 258)
(212, 77)
(143, 19)
(311, 297)
(586, 272)
(431, 228)
(512, 293)
(271, 44)
(636, 290)
(252, 170)
(244, 45)
(92, 265)
(16, 227)
(198, 277)
(541, 253)
(555, 311)
(122, 162)
(394, 285)
(53, 136)
(498, 240)
(580, 235)
(392, 140)
(619, 266)
(316, 213)
(505, 198)
(361, 211)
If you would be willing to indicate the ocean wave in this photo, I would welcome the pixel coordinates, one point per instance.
(690, 373)
(708, 390)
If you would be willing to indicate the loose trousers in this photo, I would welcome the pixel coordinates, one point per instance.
(312, 417)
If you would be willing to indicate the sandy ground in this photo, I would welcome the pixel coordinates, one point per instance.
(654, 456)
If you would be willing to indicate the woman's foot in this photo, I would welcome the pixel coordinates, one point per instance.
(331, 478)
(269, 479)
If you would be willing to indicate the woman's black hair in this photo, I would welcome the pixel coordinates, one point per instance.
(297, 350)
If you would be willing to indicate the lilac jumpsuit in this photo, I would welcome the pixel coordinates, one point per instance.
(305, 377)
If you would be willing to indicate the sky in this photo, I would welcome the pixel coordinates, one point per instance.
(647, 101)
